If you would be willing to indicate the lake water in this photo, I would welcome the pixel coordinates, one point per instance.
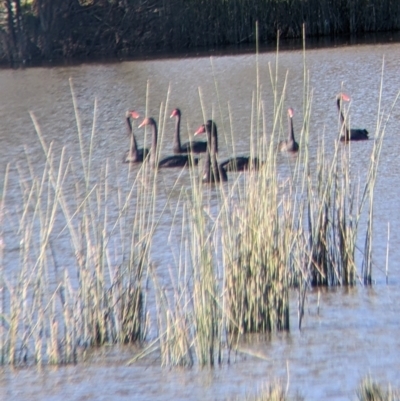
(353, 333)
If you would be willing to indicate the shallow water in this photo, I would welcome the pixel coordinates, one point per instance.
(353, 333)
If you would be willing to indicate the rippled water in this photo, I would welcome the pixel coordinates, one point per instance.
(353, 333)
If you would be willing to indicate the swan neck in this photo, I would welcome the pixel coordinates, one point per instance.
(207, 164)
(131, 135)
(214, 139)
(177, 136)
(291, 131)
(211, 169)
(153, 156)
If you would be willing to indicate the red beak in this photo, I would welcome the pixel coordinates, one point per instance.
(200, 130)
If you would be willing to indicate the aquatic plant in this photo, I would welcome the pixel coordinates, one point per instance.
(273, 392)
(369, 390)
(49, 314)
(83, 273)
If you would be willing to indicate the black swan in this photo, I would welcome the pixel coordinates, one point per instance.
(241, 163)
(289, 144)
(346, 134)
(170, 161)
(213, 173)
(134, 155)
(187, 147)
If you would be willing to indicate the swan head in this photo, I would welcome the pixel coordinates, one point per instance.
(209, 126)
(342, 96)
(175, 113)
(201, 130)
(147, 121)
(132, 113)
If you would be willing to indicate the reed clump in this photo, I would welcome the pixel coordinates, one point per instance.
(174, 340)
(83, 265)
(255, 245)
(369, 390)
(71, 286)
(332, 224)
(272, 392)
(207, 315)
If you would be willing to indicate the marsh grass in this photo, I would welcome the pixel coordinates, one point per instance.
(272, 392)
(207, 314)
(331, 222)
(269, 232)
(256, 287)
(51, 311)
(369, 390)
(84, 270)
(382, 121)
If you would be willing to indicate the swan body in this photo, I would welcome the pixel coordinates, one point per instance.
(134, 154)
(289, 144)
(213, 172)
(354, 134)
(241, 163)
(187, 147)
(170, 161)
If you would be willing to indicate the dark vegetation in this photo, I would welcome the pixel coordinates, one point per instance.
(36, 30)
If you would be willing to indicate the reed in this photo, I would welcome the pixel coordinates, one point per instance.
(255, 260)
(174, 327)
(84, 270)
(206, 311)
(272, 392)
(332, 225)
(371, 181)
(369, 390)
(49, 314)
(335, 208)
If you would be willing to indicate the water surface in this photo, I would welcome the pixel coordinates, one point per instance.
(353, 333)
